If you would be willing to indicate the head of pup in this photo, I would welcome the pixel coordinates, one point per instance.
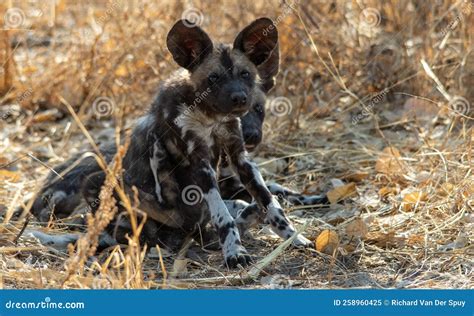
(252, 121)
(225, 77)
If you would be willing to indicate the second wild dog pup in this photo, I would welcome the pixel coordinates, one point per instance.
(196, 115)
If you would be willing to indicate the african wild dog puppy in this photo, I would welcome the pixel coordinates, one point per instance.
(194, 133)
(252, 123)
(224, 79)
(232, 190)
(76, 192)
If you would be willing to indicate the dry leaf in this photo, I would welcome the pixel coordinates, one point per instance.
(7, 175)
(446, 189)
(410, 200)
(357, 228)
(341, 192)
(416, 240)
(50, 115)
(385, 191)
(390, 162)
(327, 242)
(385, 240)
(467, 191)
(110, 45)
(121, 71)
(140, 63)
(356, 176)
(349, 248)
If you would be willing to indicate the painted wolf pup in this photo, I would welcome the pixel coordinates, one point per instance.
(197, 114)
(194, 119)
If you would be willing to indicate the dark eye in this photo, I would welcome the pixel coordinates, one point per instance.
(245, 74)
(258, 108)
(213, 77)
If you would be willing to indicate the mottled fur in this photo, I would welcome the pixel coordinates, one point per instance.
(193, 123)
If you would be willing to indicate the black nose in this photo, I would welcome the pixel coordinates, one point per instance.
(252, 138)
(238, 98)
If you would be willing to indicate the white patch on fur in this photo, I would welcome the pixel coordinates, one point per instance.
(217, 206)
(274, 205)
(58, 242)
(243, 158)
(191, 145)
(166, 113)
(154, 165)
(273, 212)
(277, 189)
(196, 122)
(234, 206)
(144, 122)
(58, 196)
(218, 210)
(256, 174)
(293, 196)
(226, 172)
(172, 147)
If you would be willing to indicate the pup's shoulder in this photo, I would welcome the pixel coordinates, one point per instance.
(175, 90)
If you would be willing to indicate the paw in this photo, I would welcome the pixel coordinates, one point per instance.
(302, 242)
(240, 257)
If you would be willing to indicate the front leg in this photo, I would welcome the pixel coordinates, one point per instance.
(296, 198)
(253, 181)
(204, 176)
(229, 237)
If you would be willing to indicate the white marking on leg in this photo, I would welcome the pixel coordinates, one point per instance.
(58, 242)
(275, 216)
(234, 206)
(217, 207)
(226, 172)
(281, 225)
(154, 165)
(221, 217)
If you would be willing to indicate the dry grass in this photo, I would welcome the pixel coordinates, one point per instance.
(358, 77)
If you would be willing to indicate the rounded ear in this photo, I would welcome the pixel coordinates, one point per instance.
(268, 69)
(188, 44)
(258, 40)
